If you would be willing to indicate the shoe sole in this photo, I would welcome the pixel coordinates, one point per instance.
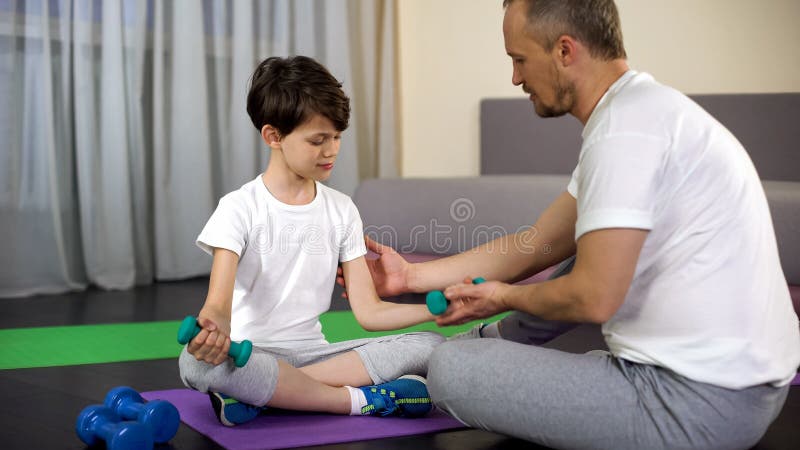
(415, 377)
(218, 403)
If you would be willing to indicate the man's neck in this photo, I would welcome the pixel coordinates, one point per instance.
(591, 89)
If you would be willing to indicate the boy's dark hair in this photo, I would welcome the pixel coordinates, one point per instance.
(593, 22)
(286, 92)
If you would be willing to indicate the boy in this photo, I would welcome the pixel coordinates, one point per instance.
(276, 243)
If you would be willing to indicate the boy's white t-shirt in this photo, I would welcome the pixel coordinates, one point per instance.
(708, 299)
(288, 256)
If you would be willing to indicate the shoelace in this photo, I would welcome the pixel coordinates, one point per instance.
(384, 403)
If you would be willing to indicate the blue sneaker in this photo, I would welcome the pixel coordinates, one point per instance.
(232, 412)
(406, 396)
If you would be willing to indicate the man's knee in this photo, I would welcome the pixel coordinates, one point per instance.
(528, 329)
(446, 361)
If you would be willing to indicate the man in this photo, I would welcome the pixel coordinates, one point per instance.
(675, 255)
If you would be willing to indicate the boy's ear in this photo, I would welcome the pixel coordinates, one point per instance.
(271, 136)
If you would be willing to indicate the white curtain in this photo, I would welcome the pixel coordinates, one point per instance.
(122, 122)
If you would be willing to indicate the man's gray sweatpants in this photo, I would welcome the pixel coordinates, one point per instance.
(386, 358)
(592, 400)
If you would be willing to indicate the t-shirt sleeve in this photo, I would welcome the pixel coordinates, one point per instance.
(227, 227)
(618, 181)
(572, 187)
(352, 244)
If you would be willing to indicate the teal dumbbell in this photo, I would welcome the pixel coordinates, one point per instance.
(436, 301)
(239, 351)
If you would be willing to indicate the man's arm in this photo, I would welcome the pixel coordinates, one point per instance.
(592, 292)
(371, 312)
(511, 258)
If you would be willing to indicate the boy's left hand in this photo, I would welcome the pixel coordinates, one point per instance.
(212, 343)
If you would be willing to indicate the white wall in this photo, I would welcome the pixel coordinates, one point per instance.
(452, 55)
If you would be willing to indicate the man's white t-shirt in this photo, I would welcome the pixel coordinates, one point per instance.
(288, 256)
(708, 298)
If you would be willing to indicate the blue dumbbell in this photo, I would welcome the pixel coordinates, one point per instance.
(96, 424)
(239, 351)
(160, 415)
(436, 301)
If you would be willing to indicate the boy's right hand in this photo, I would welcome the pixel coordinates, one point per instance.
(213, 341)
(389, 271)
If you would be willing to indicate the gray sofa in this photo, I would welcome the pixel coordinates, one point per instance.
(526, 163)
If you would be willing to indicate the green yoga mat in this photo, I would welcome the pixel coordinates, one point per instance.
(92, 344)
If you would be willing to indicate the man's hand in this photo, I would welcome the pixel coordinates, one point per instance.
(472, 301)
(212, 343)
(389, 271)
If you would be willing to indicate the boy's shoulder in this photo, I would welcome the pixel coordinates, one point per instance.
(330, 194)
(244, 195)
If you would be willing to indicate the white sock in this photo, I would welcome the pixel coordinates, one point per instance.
(357, 400)
(490, 331)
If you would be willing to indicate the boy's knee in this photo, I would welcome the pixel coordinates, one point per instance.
(431, 338)
(421, 342)
(426, 342)
(254, 383)
(200, 375)
(193, 372)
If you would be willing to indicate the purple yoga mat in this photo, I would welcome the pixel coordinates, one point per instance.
(796, 381)
(281, 429)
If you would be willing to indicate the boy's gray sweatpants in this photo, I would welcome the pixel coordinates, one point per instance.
(385, 358)
(592, 400)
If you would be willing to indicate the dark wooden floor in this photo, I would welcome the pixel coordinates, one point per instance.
(39, 406)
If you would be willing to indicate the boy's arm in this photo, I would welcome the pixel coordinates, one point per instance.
(371, 312)
(212, 343)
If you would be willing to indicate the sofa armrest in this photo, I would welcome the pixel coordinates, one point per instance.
(784, 205)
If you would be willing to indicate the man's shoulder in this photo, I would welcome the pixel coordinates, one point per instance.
(644, 106)
(644, 94)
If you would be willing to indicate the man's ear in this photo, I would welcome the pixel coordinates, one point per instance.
(271, 136)
(565, 50)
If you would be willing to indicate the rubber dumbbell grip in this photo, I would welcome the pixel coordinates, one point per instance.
(106, 430)
(239, 351)
(130, 411)
(437, 302)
